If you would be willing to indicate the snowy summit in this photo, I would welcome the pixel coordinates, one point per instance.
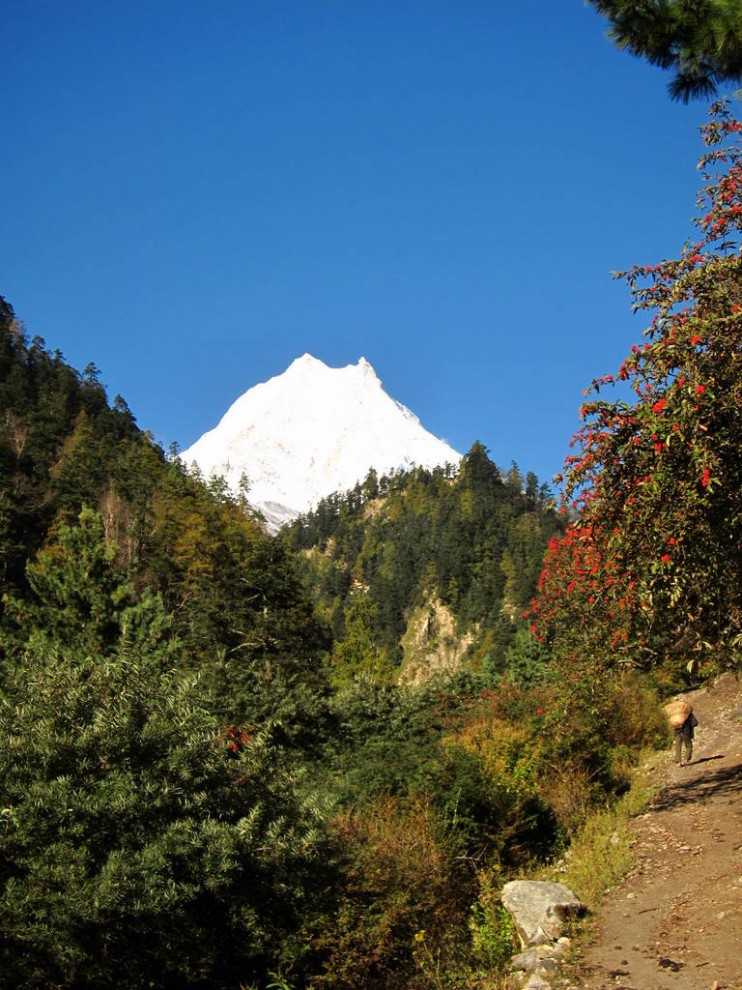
(312, 431)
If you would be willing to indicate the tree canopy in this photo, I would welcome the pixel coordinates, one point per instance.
(700, 40)
(650, 568)
(472, 542)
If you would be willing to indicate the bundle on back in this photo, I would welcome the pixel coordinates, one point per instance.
(677, 712)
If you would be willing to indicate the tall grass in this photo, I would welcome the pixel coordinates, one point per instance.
(600, 853)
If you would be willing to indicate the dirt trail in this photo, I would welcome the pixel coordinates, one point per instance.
(675, 922)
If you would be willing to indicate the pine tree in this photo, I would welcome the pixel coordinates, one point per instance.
(143, 843)
(700, 40)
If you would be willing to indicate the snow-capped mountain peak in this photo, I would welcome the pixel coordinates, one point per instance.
(312, 431)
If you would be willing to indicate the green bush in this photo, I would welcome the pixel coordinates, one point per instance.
(142, 843)
(137, 848)
(399, 878)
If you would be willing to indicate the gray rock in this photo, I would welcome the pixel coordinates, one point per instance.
(532, 958)
(547, 967)
(539, 909)
(537, 982)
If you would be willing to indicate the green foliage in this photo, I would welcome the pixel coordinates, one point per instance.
(383, 739)
(356, 655)
(701, 41)
(474, 542)
(650, 572)
(80, 598)
(525, 661)
(137, 846)
(230, 587)
(493, 933)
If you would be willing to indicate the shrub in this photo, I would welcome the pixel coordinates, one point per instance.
(399, 879)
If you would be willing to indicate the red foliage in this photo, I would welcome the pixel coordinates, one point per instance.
(237, 738)
(665, 469)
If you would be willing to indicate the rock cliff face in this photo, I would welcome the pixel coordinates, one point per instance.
(431, 644)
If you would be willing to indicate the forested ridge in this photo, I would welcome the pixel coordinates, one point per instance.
(394, 549)
(233, 760)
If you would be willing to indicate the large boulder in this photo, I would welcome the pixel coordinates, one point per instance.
(539, 909)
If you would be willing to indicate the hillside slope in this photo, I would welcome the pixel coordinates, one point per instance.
(674, 922)
(426, 571)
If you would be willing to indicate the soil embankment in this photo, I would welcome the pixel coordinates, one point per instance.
(675, 921)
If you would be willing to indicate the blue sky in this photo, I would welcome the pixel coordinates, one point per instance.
(193, 194)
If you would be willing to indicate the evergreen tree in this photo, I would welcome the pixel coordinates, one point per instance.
(141, 843)
(700, 40)
(80, 598)
(357, 654)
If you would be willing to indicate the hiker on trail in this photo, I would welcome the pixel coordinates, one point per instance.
(682, 721)
(684, 739)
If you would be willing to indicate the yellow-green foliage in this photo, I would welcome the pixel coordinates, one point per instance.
(494, 939)
(598, 857)
(400, 879)
(600, 853)
(507, 752)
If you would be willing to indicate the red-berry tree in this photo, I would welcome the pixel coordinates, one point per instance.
(651, 569)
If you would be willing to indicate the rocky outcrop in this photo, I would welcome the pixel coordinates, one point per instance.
(540, 911)
(431, 644)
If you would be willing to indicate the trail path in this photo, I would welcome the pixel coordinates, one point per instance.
(675, 922)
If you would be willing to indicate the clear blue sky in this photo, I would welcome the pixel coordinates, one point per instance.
(193, 194)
